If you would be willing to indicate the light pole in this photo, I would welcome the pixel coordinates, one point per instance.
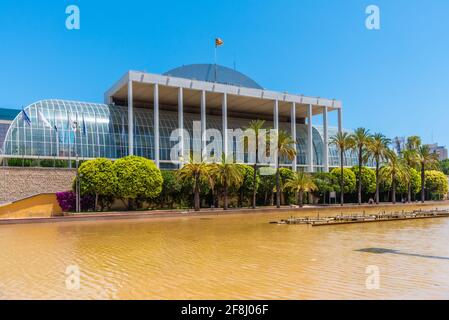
(77, 184)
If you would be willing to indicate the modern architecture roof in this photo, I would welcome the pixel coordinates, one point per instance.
(213, 73)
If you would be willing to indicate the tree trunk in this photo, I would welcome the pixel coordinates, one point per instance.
(197, 194)
(342, 182)
(241, 198)
(409, 192)
(214, 197)
(278, 185)
(393, 189)
(377, 181)
(255, 176)
(300, 198)
(423, 183)
(96, 202)
(360, 177)
(225, 192)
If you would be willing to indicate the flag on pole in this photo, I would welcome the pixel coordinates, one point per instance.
(218, 42)
(25, 117)
(42, 119)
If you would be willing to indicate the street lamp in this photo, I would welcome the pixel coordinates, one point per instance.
(77, 185)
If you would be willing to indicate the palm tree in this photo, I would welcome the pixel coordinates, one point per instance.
(395, 169)
(256, 126)
(227, 174)
(426, 159)
(344, 142)
(410, 159)
(286, 148)
(361, 139)
(301, 182)
(197, 171)
(378, 147)
(413, 143)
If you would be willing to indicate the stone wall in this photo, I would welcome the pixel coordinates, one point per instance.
(18, 182)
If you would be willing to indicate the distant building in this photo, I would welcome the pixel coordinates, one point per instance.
(440, 150)
(6, 118)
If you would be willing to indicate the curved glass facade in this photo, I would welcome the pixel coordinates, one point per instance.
(103, 132)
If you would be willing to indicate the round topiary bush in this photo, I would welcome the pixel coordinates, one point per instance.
(137, 177)
(348, 179)
(98, 178)
(436, 184)
(368, 179)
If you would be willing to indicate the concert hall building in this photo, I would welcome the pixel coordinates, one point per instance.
(141, 110)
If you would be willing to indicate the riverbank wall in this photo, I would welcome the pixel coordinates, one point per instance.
(22, 182)
(308, 211)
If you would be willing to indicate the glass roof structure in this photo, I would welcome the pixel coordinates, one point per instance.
(102, 131)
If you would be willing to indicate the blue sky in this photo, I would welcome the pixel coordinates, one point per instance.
(395, 80)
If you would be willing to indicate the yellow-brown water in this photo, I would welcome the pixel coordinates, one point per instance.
(224, 257)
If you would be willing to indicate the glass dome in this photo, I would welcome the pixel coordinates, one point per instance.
(214, 73)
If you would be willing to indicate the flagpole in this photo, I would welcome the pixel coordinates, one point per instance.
(56, 133)
(75, 129)
(31, 135)
(70, 140)
(24, 136)
(215, 63)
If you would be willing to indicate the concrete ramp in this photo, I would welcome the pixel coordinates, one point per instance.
(38, 206)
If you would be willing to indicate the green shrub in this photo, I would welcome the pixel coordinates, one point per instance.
(444, 165)
(171, 193)
(325, 182)
(368, 179)
(98, 178)
(50, 163)
(17, 162)
(348, 180)
(285, 175)
(436, 184)
(245, 190)
(137, 177)
(415, 179)
(266, 188)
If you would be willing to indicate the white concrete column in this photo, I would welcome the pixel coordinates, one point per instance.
(325, 140)
(340, 123)
(309, 139)
(203, 124)
(130, 119)
(276, 124)
(181, 126)
(224, 129)
(293, 129)
(156, 126)
(276, 115)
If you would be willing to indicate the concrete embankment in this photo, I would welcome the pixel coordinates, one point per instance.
(45, 213)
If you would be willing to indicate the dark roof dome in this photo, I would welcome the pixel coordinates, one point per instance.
(206, 72)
